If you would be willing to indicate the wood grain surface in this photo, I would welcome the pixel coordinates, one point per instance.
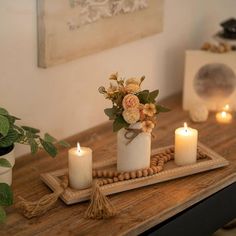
(139, 209)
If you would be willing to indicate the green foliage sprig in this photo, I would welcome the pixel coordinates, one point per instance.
(11, 133)
(6, 199)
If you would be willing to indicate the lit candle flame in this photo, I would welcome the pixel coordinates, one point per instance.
(226, 107)
(78, 148)
(223, 114)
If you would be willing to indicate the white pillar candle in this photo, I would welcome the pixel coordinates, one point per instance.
(185, 145)
(135, 155)
(80, 167)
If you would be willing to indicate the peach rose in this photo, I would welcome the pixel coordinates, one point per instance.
(131, 115)
(130, 101)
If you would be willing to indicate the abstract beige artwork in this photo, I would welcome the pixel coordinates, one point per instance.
(210, 79)
(68, 29)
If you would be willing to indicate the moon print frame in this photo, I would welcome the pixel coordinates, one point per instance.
(210, 79)
(68, 29)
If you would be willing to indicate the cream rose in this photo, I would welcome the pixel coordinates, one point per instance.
(132, 88)
(132, 85)
(131, 115)
(132, 81)
(130, 101)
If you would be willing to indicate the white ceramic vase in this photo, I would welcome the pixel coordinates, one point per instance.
(135, 155)
(6, 172)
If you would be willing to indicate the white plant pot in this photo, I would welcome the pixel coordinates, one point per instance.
(135, 155)
(6, 172)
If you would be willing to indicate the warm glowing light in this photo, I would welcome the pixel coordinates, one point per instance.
(78, 148)
(223, 114)
(226, 107)
(224, 117)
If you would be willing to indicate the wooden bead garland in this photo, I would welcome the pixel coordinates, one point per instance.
(157, 165)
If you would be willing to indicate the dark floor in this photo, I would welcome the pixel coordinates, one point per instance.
(224, 232)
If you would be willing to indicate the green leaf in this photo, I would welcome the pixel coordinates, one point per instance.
(18, 129)
(119, 123)
(30, 129)
(12, 119)
(11, 137)
(49, 138)
(143, 96)
(4, 162)
(49, 148)
(110, 112)
(3, 111)
(33, 146)
(6, 195)
(64, 143)
(160, 108)
(2, 214)
(153, 95)
(4, 125)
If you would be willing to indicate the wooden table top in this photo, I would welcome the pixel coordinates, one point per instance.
(139, 209)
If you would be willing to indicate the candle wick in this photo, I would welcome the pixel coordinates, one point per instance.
(78, 148)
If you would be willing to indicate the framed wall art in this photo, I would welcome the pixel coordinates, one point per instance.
(210, 79)
(68, 29)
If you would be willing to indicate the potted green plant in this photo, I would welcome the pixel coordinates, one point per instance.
(11, 133)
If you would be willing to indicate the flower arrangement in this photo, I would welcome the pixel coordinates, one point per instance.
(131, 105)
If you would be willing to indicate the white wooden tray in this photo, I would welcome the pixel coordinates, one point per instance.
(171, 171)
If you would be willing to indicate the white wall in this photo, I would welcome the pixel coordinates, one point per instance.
(63, 100)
